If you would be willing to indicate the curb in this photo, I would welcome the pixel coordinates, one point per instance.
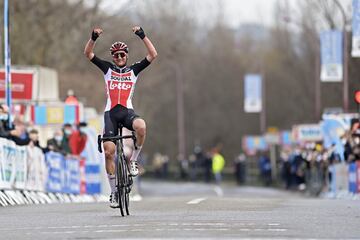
(25, 197)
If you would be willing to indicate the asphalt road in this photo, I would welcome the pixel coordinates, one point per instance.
(191, 211)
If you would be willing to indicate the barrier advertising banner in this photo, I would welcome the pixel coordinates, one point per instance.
(342, 177)
(331, 56)
(355, 52)
(13, 165)
(71, 175)
(55, 175)
(253, 93)
(63, 173)
(26, 167)
(352, 178)
(92, 164)
(307, 133)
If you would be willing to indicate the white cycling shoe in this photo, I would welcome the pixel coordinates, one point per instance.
(114, 203)
(134, 170)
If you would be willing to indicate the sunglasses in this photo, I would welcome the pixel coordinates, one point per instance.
(119, 55)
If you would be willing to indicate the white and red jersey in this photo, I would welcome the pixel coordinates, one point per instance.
(120, 82)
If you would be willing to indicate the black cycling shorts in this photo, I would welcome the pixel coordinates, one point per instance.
(118, 115)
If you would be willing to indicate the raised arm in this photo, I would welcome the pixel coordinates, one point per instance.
(152, 53)
(89, 47)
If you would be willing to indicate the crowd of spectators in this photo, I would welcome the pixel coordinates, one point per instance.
(309, 167)
(69, 140)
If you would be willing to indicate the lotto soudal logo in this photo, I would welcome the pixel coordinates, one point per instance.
(119, 85)
(121, 78)
(124, 77)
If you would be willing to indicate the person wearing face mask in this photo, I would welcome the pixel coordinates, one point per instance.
(65, 145)
(78, 138)
(54, 144)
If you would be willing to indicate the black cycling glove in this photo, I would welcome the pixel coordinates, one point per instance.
(140, 33)
(94, 35)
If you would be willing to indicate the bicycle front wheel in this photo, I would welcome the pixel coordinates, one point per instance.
(120, 180)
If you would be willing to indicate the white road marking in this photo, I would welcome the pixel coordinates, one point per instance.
(196, 201)
(274, 224)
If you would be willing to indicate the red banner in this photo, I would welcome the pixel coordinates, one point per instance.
(21, 85)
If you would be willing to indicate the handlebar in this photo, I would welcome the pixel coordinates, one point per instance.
(115, 138)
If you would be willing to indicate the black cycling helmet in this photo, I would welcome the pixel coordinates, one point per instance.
(118, 46)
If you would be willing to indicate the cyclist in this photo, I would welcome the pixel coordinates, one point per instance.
(120, 81)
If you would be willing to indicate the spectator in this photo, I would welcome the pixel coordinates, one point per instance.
(54, 144)
(265, 169)
(218, 163)
(240, 169)
(17, 133)
(77, 139)
(207, 164)
(65, 145)
(36, 167)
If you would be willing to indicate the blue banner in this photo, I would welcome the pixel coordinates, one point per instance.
(331, 56)
(253, 93)
(286, 138)
(352, 178)
(63, 174)
(55, 177)
(355, 52)
(92, 163)
(71, 168)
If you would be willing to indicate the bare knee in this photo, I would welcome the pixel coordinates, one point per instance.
(109, 151)
(140, 127)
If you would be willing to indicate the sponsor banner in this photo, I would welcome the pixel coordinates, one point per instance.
(55, 177)
(55, 115)
(352, 178)
(21, 85)
(252, 93)
(272, 138)
(331, 56)
(63, 173)
(8, 162)
(307, 133)
(92, 164)
(20, 166)
(252, 144)
(13, 167)
(71, 171)
(342, 177)
(286, 138)
(333, 129)
(333, 178)
(355, 52)
(42, 115)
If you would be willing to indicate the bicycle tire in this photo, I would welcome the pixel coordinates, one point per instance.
(120, 178)
(127, 188)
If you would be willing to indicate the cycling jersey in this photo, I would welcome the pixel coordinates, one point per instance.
(120, 82)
